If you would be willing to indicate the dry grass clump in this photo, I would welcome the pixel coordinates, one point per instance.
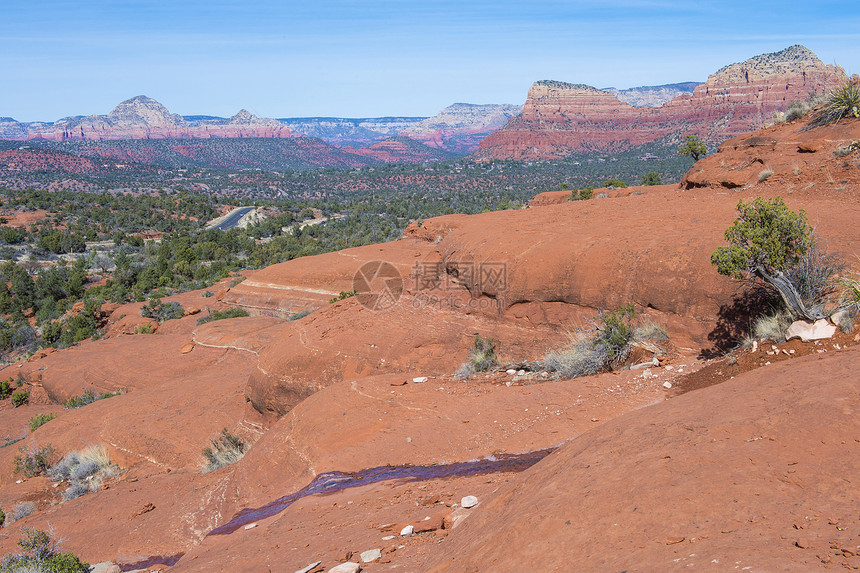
(226, 449)
(85, 471)
(606, 346)
(772, 326)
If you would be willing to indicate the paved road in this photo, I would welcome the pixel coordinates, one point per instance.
(233, 219)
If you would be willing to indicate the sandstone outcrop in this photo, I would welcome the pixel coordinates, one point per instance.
(559, 119)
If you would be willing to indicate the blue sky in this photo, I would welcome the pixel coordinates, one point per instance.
(371, 58)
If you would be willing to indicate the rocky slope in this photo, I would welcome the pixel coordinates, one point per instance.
(652, 96)
(461, 127)
(754, 472)
(401, 149)
(559, 118)
(142, 117)
(458, 128)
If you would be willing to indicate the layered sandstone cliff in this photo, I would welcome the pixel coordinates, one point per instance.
(560, 118)
(142, 117)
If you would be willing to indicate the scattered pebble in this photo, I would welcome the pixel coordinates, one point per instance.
(420, 379)
(389, 537)
(510, 371)
(469, 501)
(667, 385)
(251, 526)
(407, 531)
(521, 373)
(371, 555)
(348, 567)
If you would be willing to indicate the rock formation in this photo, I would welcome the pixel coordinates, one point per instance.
(461, 127)
(559, 118)
(142, 117)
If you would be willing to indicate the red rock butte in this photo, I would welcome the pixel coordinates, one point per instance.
(559, 119)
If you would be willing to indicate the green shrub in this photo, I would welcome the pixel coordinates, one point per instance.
(162, 311)
(615, 183)
(40, 420)
(226, 449)
(20, 397)
(5, 389)
(614, 334)
(299, 315)
(482, 356)
(581, 194)
(839, 103)
(605, 347)
(651, 178)
(88, 397)
(33, 461)
(222, 314)
(2, 517)
(344, 294)
(41, 555)
(143, 329)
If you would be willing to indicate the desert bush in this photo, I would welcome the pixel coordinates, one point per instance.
(651, 178)
(615, 333)
(764, 175)
(20, 397)
(299, 315)
(816, 275)
(87, 398)
(21, 510)
(839, 103)
(344, 294)
(226, 449)
(464, 371)
(579, 358)
(606, 346)
(40, 420)
(2, 517)
(482, 356)
(143, 329)
(34, 461)
(5, 389)
(41, 554)
(222, 314)
(85, 470)
(162, 311)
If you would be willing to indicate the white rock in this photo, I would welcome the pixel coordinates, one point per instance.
(510, 371)
(251, 526)
(420, 379)
(310, 567)
(667, 384)
(348, 567)
(407, 531)
(469, 501)
(818, 330)
(521, 373)
(106, 567)
(371, 555)
(389, 537)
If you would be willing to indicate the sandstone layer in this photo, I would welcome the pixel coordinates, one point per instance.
(559, 119)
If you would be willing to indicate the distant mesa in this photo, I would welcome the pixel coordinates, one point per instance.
(560, 119)
(142, 117)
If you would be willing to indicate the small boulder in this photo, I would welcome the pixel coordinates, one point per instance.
(469, 501)
(310, 567)
(819, 330)
(407, 531)
(371, 555)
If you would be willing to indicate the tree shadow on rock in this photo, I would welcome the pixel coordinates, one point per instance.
(735, 320)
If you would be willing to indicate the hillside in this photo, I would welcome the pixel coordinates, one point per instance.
(358, 426)
(559, 118)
